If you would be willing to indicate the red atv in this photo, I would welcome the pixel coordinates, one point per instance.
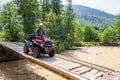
(39, 46)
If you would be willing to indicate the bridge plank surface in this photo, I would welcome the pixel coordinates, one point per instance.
(72, 69)
(46, 62)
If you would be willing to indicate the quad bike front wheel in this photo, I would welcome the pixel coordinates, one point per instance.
(26, 49)
(36, 52)
(52, 53)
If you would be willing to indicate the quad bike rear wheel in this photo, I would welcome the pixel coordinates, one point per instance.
(26, 49)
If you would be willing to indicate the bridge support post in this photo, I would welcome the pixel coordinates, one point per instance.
(7, 56)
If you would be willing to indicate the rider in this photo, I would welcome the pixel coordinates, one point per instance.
(39, 34)
(40, 31)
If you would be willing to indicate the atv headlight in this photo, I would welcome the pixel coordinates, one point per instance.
(41, 45)
(53, 44)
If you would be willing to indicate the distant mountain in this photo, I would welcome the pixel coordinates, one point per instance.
(93, 17)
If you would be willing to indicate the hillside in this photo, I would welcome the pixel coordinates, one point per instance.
(93, 17)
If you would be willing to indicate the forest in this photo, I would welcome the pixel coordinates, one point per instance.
(21, 17)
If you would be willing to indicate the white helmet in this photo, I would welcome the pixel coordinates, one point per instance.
(41, 25)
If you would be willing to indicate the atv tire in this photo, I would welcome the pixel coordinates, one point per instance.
(52, 53)
(36, 52)
(26, 49)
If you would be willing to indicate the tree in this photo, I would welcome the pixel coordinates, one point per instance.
(57, 9)
(68, 24)
(109, 35)
(51, 27)
(9, 20)
(56, 6)
(45, 8)
(117, 26)
(79, 33)
(29, 12)
(90, 34)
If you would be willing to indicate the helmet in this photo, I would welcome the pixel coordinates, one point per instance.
(41, 25)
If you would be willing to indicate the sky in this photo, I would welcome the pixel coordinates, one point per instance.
(109, 6)
(3, 1)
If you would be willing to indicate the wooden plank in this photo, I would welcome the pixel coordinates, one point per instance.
(98, 67)
(65, 64)
(90, 73)
(13, 47)
(69, 66)
(51, 60)
(59, 62)
(81, 70)
(96, 75)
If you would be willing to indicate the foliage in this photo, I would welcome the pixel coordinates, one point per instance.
(56, 7)
(51, 27)
(2, 36)
(45, 8)
(79, 33)
(29, 12)
(95, 21)
(117, 26)
(68, 24)
(9, 22)
(108, 35)
(90, 34)
(80, 43)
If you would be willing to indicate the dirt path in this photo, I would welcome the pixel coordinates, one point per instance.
(104, 56)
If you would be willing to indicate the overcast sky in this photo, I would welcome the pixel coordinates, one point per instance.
(3, 1)
(110, 6)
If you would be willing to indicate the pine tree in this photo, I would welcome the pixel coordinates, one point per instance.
(29, 11)
(45, 9)
(117, 26)
(9, 20)
(56, 6)
(51, 27)
(68, 23)
(57, 9)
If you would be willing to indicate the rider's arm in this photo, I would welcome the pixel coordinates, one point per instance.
(44, 33)
(37, 32)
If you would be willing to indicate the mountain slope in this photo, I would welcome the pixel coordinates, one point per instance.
(93, 17)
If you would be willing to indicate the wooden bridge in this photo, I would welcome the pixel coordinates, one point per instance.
(68, 68)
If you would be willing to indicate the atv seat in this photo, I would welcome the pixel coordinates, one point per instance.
(29, 37)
